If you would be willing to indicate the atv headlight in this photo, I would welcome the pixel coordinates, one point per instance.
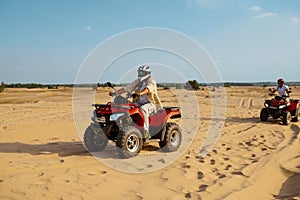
(93, 116)
(266, 105)
(282, 107)
(114, 117)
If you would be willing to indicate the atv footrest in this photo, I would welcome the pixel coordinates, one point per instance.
(152, 140)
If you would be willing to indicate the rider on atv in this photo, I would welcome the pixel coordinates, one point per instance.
(147, 99)
(280, 106)
(282, 89)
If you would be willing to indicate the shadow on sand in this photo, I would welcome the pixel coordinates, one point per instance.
(290, 188)
(60, 148)
(64, 149)
(233, 119)
(254, 120)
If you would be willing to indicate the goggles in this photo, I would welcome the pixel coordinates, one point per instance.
(141, 73)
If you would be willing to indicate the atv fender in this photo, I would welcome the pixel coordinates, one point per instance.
(175, 113)
(163, 132)
(172, 113)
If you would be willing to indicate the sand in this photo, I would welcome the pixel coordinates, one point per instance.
(42, 156)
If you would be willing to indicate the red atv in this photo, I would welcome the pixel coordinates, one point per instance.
(280, 107)
(122, 122)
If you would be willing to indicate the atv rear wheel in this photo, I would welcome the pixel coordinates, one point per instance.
(130, 142)
(264, 115)
(94, 139)
(286, 118)
(296, 116)
(172, 138)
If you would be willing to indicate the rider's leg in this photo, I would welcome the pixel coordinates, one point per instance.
(147, 109)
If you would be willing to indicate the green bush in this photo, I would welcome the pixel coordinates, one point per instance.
(192, 85)
(2, 86)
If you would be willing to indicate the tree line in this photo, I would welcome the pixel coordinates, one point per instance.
(189, 85)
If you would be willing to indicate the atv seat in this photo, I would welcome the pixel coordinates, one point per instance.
(168, 108)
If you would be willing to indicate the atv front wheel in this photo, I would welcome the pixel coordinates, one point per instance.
(94, 139)
(286, 118)
(172, 138)
(296, 116)
(130, 142)
(264, 115)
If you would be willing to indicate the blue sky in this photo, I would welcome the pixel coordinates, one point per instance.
(46, 41)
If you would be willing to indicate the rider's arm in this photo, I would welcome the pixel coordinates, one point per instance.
(145, 91)
(130, 88)
(274, 89)
(120, 91)
(287, 91)
(150, 87)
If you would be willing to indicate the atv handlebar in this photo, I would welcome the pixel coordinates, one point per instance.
(112, 94)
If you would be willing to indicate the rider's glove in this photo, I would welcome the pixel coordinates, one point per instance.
(111, 93)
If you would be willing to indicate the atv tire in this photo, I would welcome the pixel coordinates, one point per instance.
(94, 139)
(264, 115)
(173, 137)
(296, 116)
(286, 118)
(130, 142)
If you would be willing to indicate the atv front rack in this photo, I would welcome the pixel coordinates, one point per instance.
(171, 108)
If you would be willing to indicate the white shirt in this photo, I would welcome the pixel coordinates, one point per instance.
(282, 90)
(152, 94)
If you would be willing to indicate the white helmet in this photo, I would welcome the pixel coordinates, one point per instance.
(144, 72)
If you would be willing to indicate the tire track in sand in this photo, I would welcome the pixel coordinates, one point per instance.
(243, 103)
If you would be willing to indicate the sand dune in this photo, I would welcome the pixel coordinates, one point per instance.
(42, 155)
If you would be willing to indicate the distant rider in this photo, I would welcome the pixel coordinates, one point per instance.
(281, 88)
(146, 90)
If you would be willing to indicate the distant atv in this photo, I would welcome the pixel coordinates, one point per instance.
(122, 122)
(279, 107)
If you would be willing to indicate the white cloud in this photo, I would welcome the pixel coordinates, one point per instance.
(88, 28)
(264, 15)
(255, 8)
(295, 20)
